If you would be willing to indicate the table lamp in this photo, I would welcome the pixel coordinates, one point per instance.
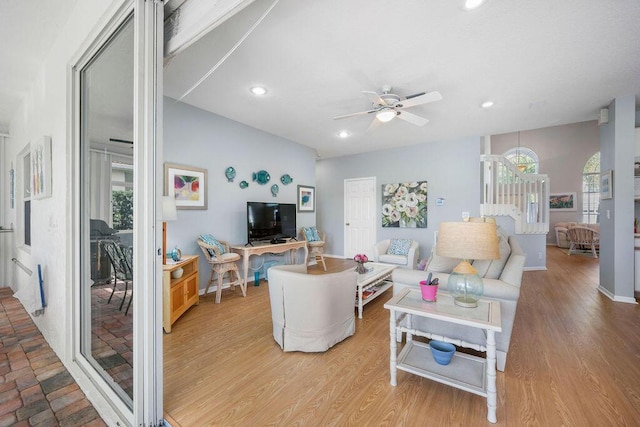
(469, 241)
(169, 213)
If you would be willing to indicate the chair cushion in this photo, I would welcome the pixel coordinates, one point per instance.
(393, 259)
(210, 240)
(311, 234)
(399, 247)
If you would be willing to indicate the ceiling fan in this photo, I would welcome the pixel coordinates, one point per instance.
(387, 106)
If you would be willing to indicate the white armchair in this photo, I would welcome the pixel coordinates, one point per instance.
(410, 260)
(311, 313)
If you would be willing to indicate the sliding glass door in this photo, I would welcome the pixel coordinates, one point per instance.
(116, 105)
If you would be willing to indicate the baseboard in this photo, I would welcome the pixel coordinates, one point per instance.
(616, 298)
(536, 268)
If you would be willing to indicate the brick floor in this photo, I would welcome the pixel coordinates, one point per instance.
(35, 388)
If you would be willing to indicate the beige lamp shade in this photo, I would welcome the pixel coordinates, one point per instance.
(468, 240)
(169, 210)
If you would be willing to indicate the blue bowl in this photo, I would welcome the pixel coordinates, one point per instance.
(442, 351)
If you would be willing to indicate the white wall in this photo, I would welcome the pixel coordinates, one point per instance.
(45, 112)
(198, 138)
(451, 168)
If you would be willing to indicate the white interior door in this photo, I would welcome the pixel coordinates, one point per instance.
(359, 215)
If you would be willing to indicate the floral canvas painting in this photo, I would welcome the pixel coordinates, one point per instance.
(404, 204)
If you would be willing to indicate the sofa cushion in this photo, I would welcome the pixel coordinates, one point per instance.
(399, 247)
(440, 264)
(492, 268)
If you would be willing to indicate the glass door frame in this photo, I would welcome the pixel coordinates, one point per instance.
(147, 306)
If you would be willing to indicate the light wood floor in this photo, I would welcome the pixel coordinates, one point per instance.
(574, 360)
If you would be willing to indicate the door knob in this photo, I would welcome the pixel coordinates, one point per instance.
(348, 224)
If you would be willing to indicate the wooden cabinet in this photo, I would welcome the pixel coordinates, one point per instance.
(181, 293)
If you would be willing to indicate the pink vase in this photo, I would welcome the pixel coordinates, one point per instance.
(428, 291)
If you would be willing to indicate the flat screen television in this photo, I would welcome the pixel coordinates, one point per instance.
(269, 221)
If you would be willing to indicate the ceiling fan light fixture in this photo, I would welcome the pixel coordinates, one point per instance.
(385, 115)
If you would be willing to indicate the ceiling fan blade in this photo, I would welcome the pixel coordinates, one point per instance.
(420, 99)
(412, 118)
(354, 114)
(374, 98)
(374, 124)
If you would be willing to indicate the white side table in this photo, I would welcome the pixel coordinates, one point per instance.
(473, 374)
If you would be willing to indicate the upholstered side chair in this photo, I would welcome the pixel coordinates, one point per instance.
(401, 252)
(310, 312)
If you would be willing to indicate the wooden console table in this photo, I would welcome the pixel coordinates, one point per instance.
(181, 293)
(264, 248)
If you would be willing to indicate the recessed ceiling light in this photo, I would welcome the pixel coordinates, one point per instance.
(258, 90)
(487, 104)
(473, 4)
(344, 134)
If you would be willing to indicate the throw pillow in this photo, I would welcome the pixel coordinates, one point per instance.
(441, 264)
(399, 247)
(311, 234)
(492, 268)
(210, 240)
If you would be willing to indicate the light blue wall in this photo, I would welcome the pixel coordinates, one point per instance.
(198, 138)
(617, 150)
(452, 169)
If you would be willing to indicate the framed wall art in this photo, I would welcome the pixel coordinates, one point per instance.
(187, 184)
(41, 168)
(606, 185)
(563, 201)
(404, 204)
(306, 198)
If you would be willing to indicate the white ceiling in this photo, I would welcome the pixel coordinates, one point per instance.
(28, 29)
(543, 63)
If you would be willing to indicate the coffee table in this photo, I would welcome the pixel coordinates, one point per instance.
(474, 374)
(377, 278)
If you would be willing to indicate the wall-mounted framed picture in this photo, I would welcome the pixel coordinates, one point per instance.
(563, 201)
(306, 198)
(606, 185)
(41, 168)
(187, 184)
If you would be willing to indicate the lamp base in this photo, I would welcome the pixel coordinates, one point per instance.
(465, 302)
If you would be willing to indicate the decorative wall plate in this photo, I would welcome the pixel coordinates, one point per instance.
(244, 184)
(261, 177)
(286, 179)
(274, 190)
(230, 173)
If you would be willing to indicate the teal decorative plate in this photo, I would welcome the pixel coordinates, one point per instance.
(286, 179)
(261, 177)
(274, 190)
(244, 184)
(230, 173)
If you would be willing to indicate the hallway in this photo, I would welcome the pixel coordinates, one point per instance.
(35, 388)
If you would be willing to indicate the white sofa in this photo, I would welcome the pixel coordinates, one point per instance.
(502, 279)
(409, 261)
(311, 313)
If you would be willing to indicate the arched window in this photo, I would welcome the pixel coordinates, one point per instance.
(591, 190)
(525, 159)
